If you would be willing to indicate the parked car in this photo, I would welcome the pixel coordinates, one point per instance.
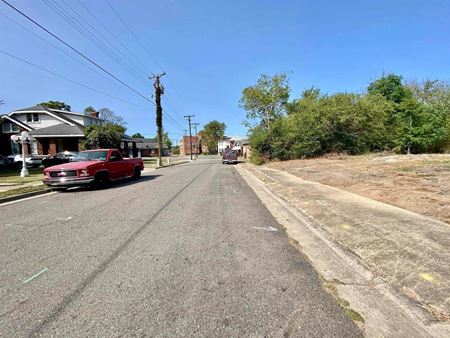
(93, 168)
(229, 156)
(30, 160)
(58, 158)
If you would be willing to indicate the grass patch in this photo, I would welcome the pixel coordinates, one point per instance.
(13, 176)
(22, 190)
(353, 315)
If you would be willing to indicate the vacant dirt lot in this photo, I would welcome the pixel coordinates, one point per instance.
(420, 183)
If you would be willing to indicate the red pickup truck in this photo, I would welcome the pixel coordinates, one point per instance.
(93, 167)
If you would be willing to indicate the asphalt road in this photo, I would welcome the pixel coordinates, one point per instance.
(185, 251)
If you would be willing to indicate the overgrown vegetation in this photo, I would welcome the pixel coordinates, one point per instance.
(392, 115)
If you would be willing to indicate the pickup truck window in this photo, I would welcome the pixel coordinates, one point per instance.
(91, 156)
(115, 156)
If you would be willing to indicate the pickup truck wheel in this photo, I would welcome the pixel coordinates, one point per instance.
(137, 172)
(100, 180)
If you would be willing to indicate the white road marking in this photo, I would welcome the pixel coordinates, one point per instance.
(63, 219)
(28, 198)
(36, 275)
(265, 229)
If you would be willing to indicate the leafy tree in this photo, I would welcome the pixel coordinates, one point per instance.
(137, 135)
(176, 150)
(89, 110)
(211, 134)
(391, 87)
(266, 101)
(56, 105)
(106, 136)
(420, 128)
(166, 140)
(110, 116)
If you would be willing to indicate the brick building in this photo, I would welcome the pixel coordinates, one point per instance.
(185, 147)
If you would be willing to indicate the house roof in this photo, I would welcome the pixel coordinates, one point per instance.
(62, 130)
(147, 143)
(16, 121)
(36, 108)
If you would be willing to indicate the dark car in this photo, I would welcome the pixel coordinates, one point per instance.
(58, 158)
(229, 156)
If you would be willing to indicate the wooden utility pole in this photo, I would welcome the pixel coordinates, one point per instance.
(198, 143)
(159, 90)
(188, 117)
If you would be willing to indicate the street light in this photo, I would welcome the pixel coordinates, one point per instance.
(23, 139)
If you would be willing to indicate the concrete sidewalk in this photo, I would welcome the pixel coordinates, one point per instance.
(375, 249)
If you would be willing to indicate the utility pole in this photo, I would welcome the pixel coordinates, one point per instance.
(159, 90)
(198, 143)
(188, 117)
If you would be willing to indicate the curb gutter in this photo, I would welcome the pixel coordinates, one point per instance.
(24, 195)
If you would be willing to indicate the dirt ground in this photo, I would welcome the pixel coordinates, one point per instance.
(420, 183)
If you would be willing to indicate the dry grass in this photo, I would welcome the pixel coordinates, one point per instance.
(420, 183)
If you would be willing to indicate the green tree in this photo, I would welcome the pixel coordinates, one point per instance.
(89, 110)
(110, 116)
(391, 87)
(420, 128)
(106, 136)
(176, 150)
(56, 105)
(266, 101)
(137, 135)
(211, 134)
(167, 141)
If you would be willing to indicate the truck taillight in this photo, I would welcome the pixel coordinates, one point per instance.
(83, 172)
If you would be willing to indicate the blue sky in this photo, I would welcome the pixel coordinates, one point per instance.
(212, 49)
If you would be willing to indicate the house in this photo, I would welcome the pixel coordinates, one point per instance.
(236, 143)
(185, 145)
(148, 147)
(54, 130)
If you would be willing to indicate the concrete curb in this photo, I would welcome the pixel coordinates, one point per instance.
(24, 195)
(171, 165)
(386, 312)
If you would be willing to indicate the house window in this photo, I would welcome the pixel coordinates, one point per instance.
(10, 128)
(32, 117)
(15, 148)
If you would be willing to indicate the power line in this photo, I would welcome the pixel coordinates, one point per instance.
(114, 36)
(84, 57)
(134, 35)
(140, 43)
(48, 42)
(65, 78)
(74, 22)
(77, 51)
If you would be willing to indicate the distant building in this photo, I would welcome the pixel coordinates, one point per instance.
(235, 143)
(148, 147)
(185, 146)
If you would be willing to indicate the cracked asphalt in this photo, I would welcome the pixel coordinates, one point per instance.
(182, 252)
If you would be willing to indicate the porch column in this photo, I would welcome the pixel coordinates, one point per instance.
(52, 146)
